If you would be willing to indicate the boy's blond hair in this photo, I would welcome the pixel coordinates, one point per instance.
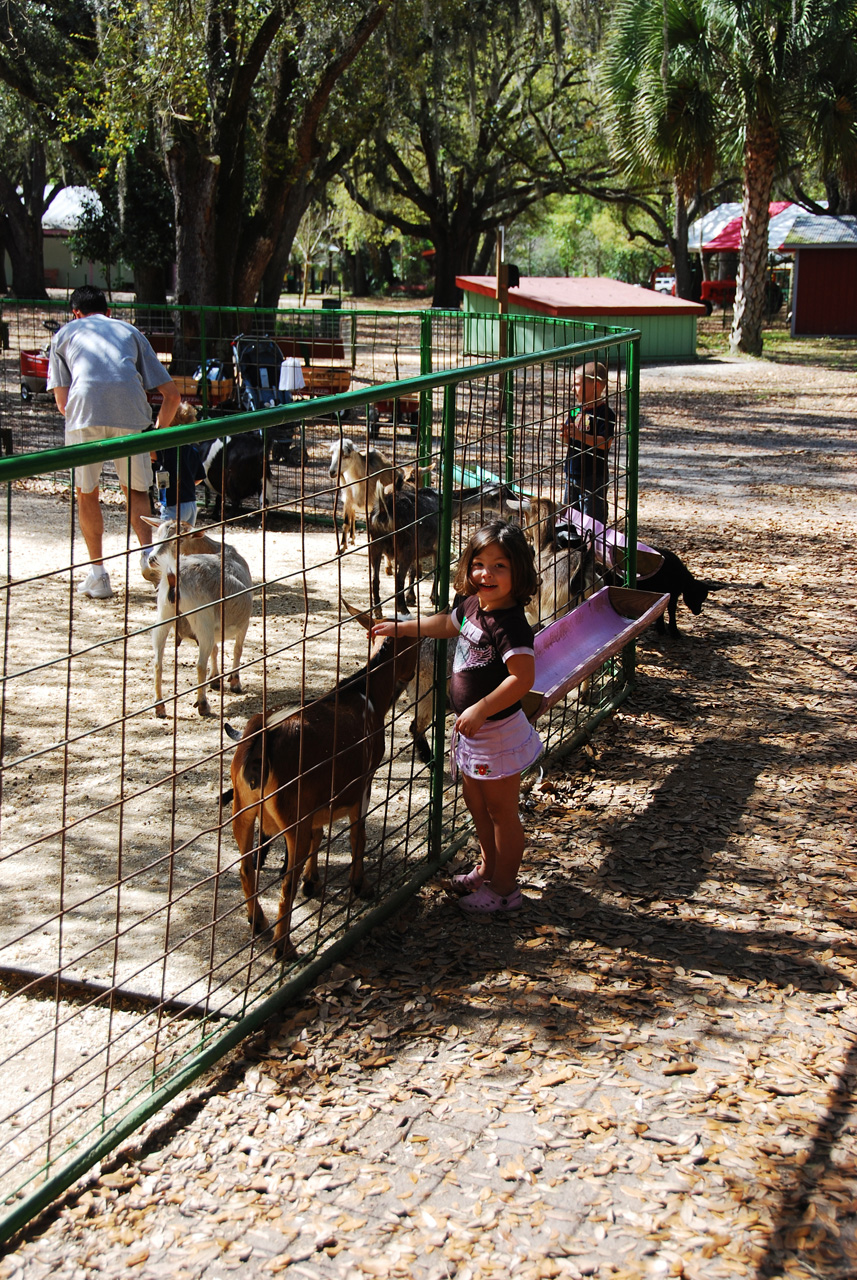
(595, 372)
(184, 414)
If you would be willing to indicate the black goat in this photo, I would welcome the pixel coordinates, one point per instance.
(674, 577)
(236, 469)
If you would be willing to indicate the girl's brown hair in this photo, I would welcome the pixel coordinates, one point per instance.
(510, 539)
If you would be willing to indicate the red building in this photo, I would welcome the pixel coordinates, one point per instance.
(824, 288)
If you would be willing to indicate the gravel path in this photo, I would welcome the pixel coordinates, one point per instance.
(650, 1070)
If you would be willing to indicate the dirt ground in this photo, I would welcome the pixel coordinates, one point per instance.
(650, 1070)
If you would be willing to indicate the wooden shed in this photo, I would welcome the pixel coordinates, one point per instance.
(667, 325)
(824, 289)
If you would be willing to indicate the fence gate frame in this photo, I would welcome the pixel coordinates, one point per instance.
(212, 1042)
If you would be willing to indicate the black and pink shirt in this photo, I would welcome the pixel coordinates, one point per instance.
(486, 639)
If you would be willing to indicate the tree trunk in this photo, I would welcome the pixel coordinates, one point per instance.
(22, 227)
(487, 253)
(683, 268)
(26, 253)
(193, 177)
(275, 272)
(760, 153)
(150, 284)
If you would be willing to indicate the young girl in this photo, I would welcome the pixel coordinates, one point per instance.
(492, 740)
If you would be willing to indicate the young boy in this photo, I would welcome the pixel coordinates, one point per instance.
(183, 468)
(588, 431)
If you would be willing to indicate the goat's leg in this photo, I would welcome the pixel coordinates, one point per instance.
(312, 879)
(235, 673)
(207, 648)
(243, 828)
(401, 574)
(159, 639)
(357, 815)
(215, 680)
(299, 842)
(411, 597)
(375, 557)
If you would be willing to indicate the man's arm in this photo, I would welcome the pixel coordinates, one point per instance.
(61, 397)
(171, 401)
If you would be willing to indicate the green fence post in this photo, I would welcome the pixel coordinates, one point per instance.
(629, 653)
(424, 445)
(202, 351)
(444, 544)
(508, 397)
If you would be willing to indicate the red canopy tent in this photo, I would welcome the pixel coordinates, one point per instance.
(729, 239)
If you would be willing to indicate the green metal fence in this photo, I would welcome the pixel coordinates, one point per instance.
(126, 964)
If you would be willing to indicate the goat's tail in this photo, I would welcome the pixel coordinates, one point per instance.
(227, 796)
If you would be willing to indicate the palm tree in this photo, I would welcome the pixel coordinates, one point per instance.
(773, 78)
(776, 60)
(663, 111)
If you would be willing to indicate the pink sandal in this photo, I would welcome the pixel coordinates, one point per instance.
(472, 879)
(486, 902)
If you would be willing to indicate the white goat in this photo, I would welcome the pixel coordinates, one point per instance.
(568, 571)
(358, 476)
(207, 597)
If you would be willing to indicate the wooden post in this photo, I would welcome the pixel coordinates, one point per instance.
(502, 294)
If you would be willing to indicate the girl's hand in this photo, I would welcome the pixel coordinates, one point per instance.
(471, 720)
(385, 628)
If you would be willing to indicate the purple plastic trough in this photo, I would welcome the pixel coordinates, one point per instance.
(577, 644)
(610, 545)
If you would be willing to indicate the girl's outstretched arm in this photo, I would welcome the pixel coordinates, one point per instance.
(437, 626)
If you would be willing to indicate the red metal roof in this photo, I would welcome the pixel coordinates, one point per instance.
(582, 296)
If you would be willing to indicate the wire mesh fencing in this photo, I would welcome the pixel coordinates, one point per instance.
(127, 960)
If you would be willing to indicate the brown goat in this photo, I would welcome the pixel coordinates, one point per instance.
(298, 773)
(404, 524)
(357, 475)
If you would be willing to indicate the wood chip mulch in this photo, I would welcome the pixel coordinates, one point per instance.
(650, 1070)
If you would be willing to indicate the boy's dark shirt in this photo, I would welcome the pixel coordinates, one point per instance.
(583, 461)
(189, 460)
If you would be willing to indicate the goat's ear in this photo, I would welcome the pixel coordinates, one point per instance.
(365, 619)
(150, 520)
(517, 504)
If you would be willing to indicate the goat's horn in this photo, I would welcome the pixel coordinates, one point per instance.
(232, 733)
(365, 619)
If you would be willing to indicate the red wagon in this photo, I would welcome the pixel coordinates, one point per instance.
(34, 373)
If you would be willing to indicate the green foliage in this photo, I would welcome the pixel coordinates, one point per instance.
(579, 236)
(96, 236)
(487, 116)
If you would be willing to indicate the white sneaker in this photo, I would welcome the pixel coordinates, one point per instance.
(96, 585)
(148, 571)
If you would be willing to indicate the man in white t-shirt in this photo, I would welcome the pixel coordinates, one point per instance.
(100, 370)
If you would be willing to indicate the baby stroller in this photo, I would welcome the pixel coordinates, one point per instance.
(258, 361)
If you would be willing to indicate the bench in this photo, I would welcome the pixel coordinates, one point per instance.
(309, 349)
(320, 380)
(577, 644)
(189, 389)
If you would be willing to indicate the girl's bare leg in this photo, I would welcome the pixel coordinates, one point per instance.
(493, 805)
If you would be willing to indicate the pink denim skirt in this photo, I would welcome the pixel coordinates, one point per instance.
(500, 749)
